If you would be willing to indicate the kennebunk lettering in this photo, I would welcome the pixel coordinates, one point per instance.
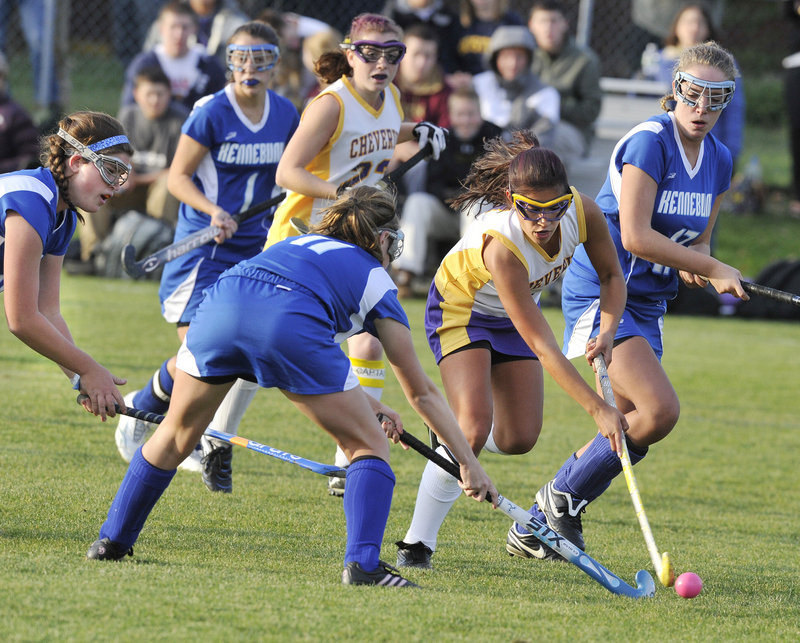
(689, 204)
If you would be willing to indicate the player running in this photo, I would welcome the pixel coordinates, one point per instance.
(484, 325)
(666, 181)
(279, 319)
(85, 163)
(347, 137)
(225, 162)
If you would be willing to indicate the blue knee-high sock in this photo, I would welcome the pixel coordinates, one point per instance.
(587, 478)
(367, 498)
(141, 488)
(155, 395)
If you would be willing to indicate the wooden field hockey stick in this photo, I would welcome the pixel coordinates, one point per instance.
(645, 587)
(661, 562)
(772, 293)
(310, 465)
(147, 265)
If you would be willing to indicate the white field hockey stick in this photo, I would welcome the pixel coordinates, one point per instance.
(310, 465)
(147, 265)
(645, 587)
(661, 562)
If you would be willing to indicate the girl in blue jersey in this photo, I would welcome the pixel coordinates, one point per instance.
(225, 162)
(666, 180)
(279, 319)
(85, 163)
(484, 325)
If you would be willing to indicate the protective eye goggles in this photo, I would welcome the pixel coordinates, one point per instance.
(261, 57)
(370, 51)
(531, 210)
(691, 90)
(396, 244)
(112, 170)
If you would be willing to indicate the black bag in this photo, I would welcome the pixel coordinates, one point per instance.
(145, 233)
(783, 275)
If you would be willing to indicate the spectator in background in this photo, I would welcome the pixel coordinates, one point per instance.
(312, 49)
(691, 26)
(479, 19)
(153, 123)
(791, 80)
(192, 72)
(574, 71)
(512, 96)
(423, 93)
(426, 216)
(19, 138)
(216, 22)
(130, 21)
(438, 17)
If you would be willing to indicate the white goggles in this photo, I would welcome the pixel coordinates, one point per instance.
(398, 240)
(112, 170)
(691, 90)
(261, 57)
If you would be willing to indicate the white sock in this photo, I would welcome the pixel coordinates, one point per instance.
(438, 490)
(340, 459)
(491, 445)
(230, 412)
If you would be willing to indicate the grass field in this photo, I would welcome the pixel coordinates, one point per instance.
(264, 563)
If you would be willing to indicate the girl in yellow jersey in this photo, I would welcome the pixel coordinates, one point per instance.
(346, 137)
(484, 324)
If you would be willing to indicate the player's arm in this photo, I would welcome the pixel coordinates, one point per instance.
(636, 205)
(188, 156)
(429, 402)
(316, 128)
(613, 293)
(511, 281)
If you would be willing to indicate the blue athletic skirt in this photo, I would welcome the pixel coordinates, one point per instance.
(257, 325)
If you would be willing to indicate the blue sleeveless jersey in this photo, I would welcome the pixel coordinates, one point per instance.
(684, 199)
(34, 195)
(239, 169)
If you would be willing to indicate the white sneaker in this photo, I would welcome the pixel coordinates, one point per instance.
(131, 433)
(193, 461)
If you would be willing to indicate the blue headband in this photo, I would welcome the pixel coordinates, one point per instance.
(108, 142)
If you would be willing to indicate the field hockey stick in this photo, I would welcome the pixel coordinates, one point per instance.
(391, 178)
(147, 265)
(772, 293)
(645, 587)
(661, 562)
(317, 467)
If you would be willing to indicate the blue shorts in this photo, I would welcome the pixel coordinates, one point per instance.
(259, 326)
(182, 285)
(642, 317)
(500, 332)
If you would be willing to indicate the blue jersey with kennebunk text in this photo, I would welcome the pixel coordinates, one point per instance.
(34, 196)
(684, 199)
(239, 169)
(351, 283)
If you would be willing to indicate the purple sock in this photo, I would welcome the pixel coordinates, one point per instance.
(367, 499)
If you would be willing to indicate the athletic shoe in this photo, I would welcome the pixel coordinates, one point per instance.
(194, 461)
(413, 555)
(336, 486)
(131, 433)
(384, 575)
(563, 513)
(528, 546)
(107, 549)
(217, 470)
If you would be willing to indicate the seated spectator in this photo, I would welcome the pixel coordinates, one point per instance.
(426, 217)
(574, 71)
(153, 124)
(216, 22)
(511, 95)
(192, 73)
(479, 19)
(438, 17)
(691, 26)
(423, 92)
(313, 47)
(19, 138)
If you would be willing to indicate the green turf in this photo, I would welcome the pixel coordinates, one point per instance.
(264, 563)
